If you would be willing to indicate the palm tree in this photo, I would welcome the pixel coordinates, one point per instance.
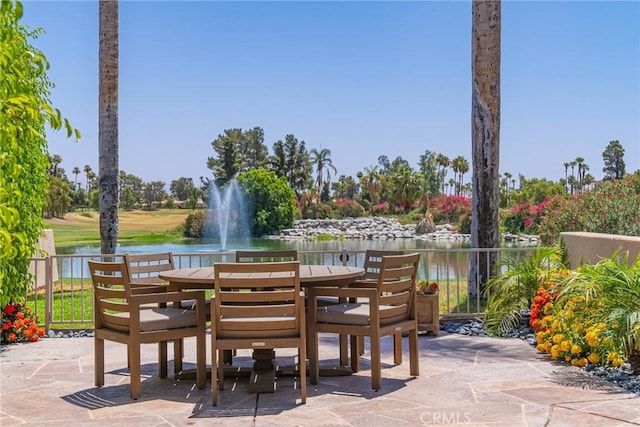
(76, 171)
(87, 170)
(405, 185)
(485, 131)
(512, 292)
(566, 176)
(108, 125)
(370, 180)
(444, 162)
(322, 159)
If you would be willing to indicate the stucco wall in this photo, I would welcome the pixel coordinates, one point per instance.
(37, 268)
(589, 248)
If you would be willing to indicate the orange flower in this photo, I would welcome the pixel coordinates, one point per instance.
(27, 333)
(12, 337)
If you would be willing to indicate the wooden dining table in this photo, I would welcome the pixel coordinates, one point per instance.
(310, 275)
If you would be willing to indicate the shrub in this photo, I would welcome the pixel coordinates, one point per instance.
(19, 324)
(524, 217)
(347, 208)
(317, 211)
(611, 207)
(195, 225)
(450, 209)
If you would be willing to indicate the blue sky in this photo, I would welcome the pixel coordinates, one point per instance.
(362, 79)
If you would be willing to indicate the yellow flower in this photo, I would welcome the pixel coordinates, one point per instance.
(579, 362)
(576, 349)
(548, 308)
(557, 338)
(593, 358)
(541, 348)
(565, 345)
(616, 362)
(540, 337)
(555, 351)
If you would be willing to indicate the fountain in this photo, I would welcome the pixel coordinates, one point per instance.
(228, 218)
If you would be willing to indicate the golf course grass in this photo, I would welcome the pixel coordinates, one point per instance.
(141, 227)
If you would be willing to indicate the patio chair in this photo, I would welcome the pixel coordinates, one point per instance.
(127, 315)
(389, 310)
(144, 268)
(372, 263)
(269, 316)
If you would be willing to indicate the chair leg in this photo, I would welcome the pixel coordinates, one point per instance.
(397, 348)
(201, 361)
(376, 368)
(178, 348)
(414, 357)
(214, 373)
(302, 361)
(134, 369)
(98, 354)
(343, 350)
(220, 370)
(361, 345)
(162, 359)
(355, 352)
(313, 356)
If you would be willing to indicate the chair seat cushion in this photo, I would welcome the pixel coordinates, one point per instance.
(349, 314)
(154, 319)
(191, 304)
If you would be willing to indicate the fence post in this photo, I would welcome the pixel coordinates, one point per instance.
(48, 292)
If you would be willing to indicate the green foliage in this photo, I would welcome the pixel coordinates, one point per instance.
(272, 202)
(523, 217)
(25, 112)
(195, 225)
(610, 207)
(512, 292)
(611, 289)
(613, 157)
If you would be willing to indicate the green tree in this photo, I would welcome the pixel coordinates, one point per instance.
(370, 181)
(291, 160)
(25, 113)
(613, 157)
(321, 159)
(272, 201)
(131, 190)
(226, 164)
(428, 167)
(252, 151)
(154, 193)
(345, 188)
(76, 171)
(108, 125)
(405, 184)
(59, 198)
(485, 145)
(181, 188)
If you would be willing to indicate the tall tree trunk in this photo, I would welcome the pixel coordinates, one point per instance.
(485, 135)
(108, 126)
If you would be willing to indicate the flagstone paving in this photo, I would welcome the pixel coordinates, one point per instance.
(478, 381)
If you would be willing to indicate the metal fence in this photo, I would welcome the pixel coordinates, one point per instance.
(62, 295)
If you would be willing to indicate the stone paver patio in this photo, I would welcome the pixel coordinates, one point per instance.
(476, 381)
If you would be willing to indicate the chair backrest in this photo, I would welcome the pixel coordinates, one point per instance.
(397, 286)
(373, 262)
(256, 300)
(111, 292)
(267, 256)
(144, 268)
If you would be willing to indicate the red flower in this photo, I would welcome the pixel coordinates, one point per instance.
(9, 309)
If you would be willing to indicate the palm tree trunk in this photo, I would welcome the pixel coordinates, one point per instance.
(485, 130)
(108, 125)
